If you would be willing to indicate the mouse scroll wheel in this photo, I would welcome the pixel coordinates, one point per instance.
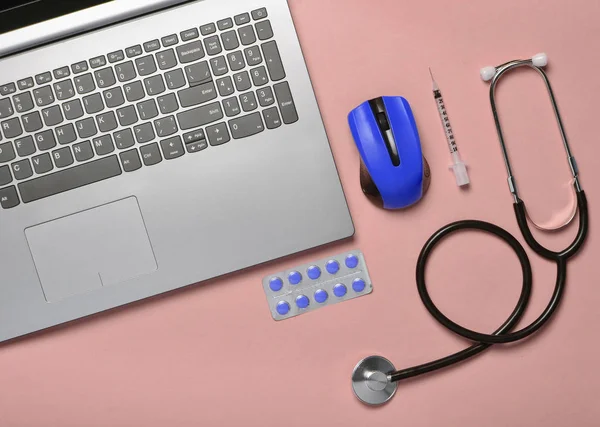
(383, 121)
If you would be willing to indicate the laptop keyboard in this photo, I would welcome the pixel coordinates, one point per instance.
(142, 105)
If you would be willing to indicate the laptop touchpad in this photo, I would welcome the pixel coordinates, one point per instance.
(99, 247)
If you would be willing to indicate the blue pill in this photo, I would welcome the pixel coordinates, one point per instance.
(295, 277)
(283, 308)
(358, 285)
(332, 266)
(275, 284)
(321, 296)
(313, 272)
(339, 290)
(351, 261)
(302, 301)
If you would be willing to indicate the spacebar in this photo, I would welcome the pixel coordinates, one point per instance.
(69, 179)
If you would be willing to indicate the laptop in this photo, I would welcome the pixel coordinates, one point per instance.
(149, 145)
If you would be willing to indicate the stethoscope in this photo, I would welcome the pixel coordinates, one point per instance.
(375, 379)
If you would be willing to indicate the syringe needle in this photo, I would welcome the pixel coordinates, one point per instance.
(435, 86)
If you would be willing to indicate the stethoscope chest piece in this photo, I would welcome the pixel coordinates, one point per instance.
(371, 380)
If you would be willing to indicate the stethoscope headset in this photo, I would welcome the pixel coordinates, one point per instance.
(375, 379)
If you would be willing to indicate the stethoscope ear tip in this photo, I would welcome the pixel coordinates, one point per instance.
(371, 380)
(487, 73)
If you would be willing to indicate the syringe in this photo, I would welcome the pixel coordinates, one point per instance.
(458, 166)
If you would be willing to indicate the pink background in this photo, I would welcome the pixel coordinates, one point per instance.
(178, 360)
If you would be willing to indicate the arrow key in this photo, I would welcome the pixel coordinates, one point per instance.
(172, 147)
(194, 136)
(217, 134)
(196, 146)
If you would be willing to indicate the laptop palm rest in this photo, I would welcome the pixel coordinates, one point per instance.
(92, 249)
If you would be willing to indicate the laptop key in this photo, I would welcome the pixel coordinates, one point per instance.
(195, 147)
(12, 128)
(145, 65)
(93, 103)
(190, 34)
(166, 126)
(124, 139)
(175, 79)
(166, 59)
(106, 121)
(265, 96)
(273, 60)
(23, 102)
(213, 45)
(5, 176)
(217, 134)
(42, 163)
(9, 197)
(259, 76)
(172, 148)
(43, 96)
(80, 67)
(230, 40)
(86, 128)
(72, 109)
(219, 66)
(130, 160)
(190, 52)
(22, 169)
(272, 119)
(25, 83)
(154, 85)
(242, 81)
(69, 179)
(134, 91)
(197, 95)
(127, 116)
(114, 97)
(103, 145)
(207, 29)
(151, 154)
(236, 60)
(7, 152)
(198, 73)
(83, 151)
(45, 140)
(63, 157)
(125, 71)
(247, 36)
(61, 73)
(170, 40)
(43, 78)
(52, 116)
(225, 24)
(105, 77)
(84, 84)
(253, 56)
(147, 109)
(245, 126)
(66, 134)
(97, 62)
(32, 122)
(194, 136)
(231, 106)
(64, 90)
(151, 46)
(225, 86)
(133, 51)
(168, 103)
(242, 19)
(200, 116)
(144, 133)
(6, 109)
(248, 101)
(286, 103)
(264, 30)
(25, 146)
(259, 13)
(116, 56)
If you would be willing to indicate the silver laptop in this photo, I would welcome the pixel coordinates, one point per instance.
(151, 145)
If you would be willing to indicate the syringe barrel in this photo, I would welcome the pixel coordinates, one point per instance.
(439, 100)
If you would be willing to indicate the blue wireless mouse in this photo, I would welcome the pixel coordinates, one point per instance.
(393, 173)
